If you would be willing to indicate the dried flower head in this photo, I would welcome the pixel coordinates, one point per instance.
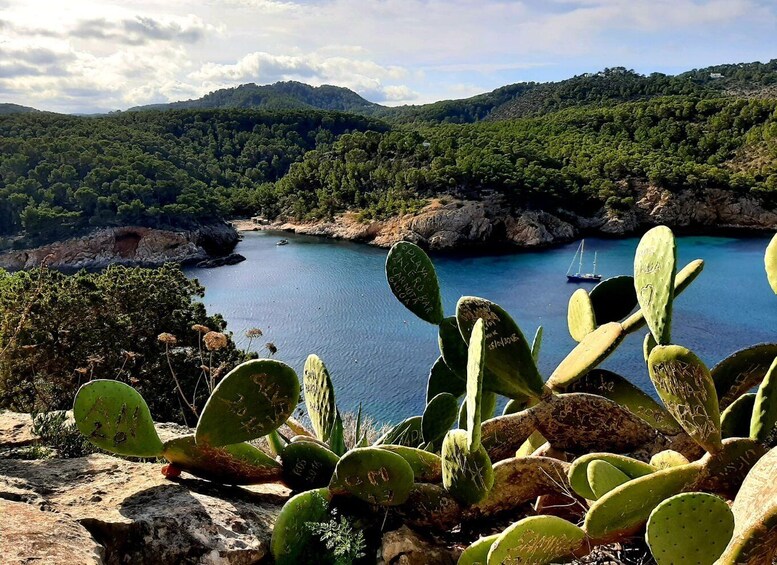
(214, 341)
(204, 368)
(254, 332)
(167, 339)
(82, 370)
(200, 328)
(271, 348)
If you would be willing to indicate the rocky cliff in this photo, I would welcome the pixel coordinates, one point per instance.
(446, 224)
(127, 245)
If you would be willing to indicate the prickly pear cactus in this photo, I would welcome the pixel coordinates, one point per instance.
(477, 552)
(430, 506)
(581, 319)
(516, 405)
(308, 465)
(624, 510)
(538, 540)
(408, 432)
(618, 389)
(426, 466)
(237, 464)
(453, 348)
(476, 356)
(536, 345)
(770, 262)
(466, 474)
(413, 281)
(603, 477)
(692, 527)
(439, 416)
(735, 420)
(668, 458)
(682, 280)
(592, 350)
(648, 345)
(114, 417)
(443, 379)
(741, 371)
(684, 384)
(764, 419)
(292, 541)
(532, 444)
(579, 475)
(374, 475)
(510, 367)
(251, 401)
(319, 396)
(613, 299)
(722, 472)
(655, 266)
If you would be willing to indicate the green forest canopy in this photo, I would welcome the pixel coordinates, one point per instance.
(574, 144)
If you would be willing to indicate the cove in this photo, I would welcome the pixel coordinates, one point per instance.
(331, 298)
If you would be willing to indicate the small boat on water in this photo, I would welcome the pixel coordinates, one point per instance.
(580, 276)
(283, 242)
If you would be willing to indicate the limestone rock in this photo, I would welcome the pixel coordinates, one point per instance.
(15, 430)
(30, 535)
(138, 516)
(405, 547)
(129, 245)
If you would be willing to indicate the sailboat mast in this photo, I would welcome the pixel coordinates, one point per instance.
(582, 250)
(594, 262)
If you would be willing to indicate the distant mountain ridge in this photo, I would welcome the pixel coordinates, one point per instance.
(8, 108)
(281, 95)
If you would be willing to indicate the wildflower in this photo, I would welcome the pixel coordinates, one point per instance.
(214, 341)
(271, 348)
(200, 328)
(254, 332)
(167, 339)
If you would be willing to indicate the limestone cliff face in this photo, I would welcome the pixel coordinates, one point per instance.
(128, 246)
(458, 224)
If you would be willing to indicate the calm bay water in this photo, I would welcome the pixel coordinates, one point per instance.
(331, 298)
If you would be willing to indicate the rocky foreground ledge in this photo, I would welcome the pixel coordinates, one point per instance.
(448, 224)
(128, 245)
(105, 510)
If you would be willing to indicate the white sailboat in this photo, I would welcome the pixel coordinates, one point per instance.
(580, 276)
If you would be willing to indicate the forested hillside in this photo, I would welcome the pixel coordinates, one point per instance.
(572, 144)
(60, 174)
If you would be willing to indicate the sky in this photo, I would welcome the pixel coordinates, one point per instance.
(80, 56)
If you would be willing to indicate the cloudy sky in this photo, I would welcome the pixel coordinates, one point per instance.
(86, 56)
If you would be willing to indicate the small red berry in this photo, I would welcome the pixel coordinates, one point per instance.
(170, 471)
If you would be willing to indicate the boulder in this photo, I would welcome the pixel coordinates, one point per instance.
(134, 514)
(406, 547)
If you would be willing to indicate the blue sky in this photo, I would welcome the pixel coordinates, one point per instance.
(87, 56)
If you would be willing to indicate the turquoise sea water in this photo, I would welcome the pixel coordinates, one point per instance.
(331, 298)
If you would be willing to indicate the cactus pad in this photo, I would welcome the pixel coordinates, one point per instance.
(581, 319)
(511, 370)
(613, 299)
(594, 349)
(408, 432)
(735, 420)
(319, 396)
(477, 552)
(475, 361)
(307, 465)
(537, 540)
(376, 476)
(618, 389)
(668, 458)
(647, 345)
(516, 405)
(522, 479)
(764, 419)
(503, 436)
(443, 379)
(427, 467)
(655, 266)
(237, 464)
(536, 345)
(466, 474)
(439, 416)
(453, 348)
(114, 417)
(532, 444)
(251, 401)
(723, 472)
(684, 384)
(292, 541)
(692, 527)
(603, 477)
(770, 262)
(741, 371)
(430, 506)
(624, 510)
(578, 471)
(413, 281)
